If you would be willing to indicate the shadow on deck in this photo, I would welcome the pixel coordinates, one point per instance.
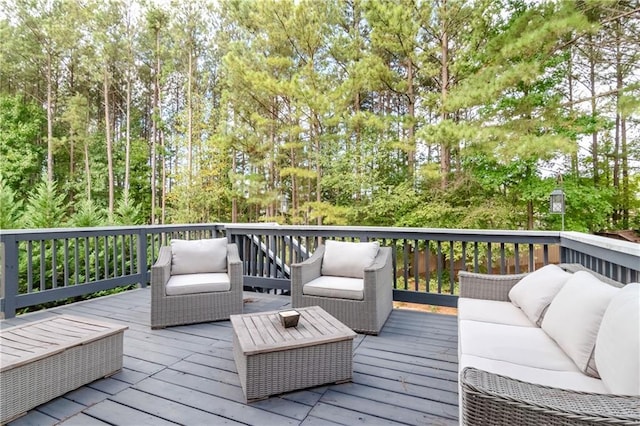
(186, 375)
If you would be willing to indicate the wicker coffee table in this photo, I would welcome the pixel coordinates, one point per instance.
(272, 359)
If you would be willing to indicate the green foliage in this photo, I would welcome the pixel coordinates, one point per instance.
(21, 153)
(87, 214)
(365, 112)
(126, 212)
(45, 206)
(10, 207)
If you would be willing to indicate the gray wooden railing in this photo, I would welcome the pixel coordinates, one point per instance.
(47, 265)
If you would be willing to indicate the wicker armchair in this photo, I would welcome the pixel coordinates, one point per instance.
(168, 310)
(489, 399)
(364, 316)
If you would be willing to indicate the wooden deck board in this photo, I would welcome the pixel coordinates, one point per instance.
(186, 374)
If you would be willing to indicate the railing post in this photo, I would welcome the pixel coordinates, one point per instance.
(9, 276)
(142, 257)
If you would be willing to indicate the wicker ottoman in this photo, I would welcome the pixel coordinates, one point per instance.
(272, 359)
(45, 359)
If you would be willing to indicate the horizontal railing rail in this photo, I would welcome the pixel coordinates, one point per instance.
(47, 265)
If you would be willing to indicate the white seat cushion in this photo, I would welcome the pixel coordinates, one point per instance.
(198, 256)
(529, 346)
(534, 292)
(617, 352)
(574, 317)
(197, 283)
(572, 380)
(492, 311)
(337, 287)
(345, 259)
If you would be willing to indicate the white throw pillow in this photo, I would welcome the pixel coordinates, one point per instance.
(344, 259)
(574, 317)
(618, 344)
(198, 256)
(535, 292)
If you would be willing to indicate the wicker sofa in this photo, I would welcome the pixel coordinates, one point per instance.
(549, 347)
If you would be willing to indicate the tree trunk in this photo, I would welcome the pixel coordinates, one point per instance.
(617, 211)
(411, 107)
(575, 170)
(234, 197)
(107, 125)
(594, 136)
(87, 168)
(127, 156)
(626, 199)
(445, 150)
(190, 118)
(49, 119)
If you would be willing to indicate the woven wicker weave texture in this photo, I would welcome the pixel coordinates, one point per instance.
(271, 359)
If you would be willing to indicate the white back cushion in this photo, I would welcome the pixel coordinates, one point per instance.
(618, 344)
(535, 292)
(198, 256)
(344, 259)
(574, 317)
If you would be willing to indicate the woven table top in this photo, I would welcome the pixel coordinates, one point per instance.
(262, 332)
(33, 341)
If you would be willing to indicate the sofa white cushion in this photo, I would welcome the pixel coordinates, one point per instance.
(346, 259)
(617, 352)
(198, 256)
(528, 346)
(492, 311)
(197, 283)
(572, 380)
(338, 287)
(573, 317)
(534, 292)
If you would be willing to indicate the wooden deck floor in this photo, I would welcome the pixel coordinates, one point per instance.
(186, 375)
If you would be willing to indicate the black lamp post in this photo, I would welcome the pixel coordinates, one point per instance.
(556, 203)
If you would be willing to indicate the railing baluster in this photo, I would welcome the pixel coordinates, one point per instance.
(123, 254)
(475, 257)
(131, 255)
(54, 264)
(502, 259)
(87, 271)
(439, 266)
(76, 261)
(405, 264)
(451, 267)
(489, 255)
(29, 267)
(545, 254)
(43, 285)
(65, 256)
(464, 255)
(516, 249)
(96, 258)
(114, 242)
(416, 266)
(532, 260)
(427, 262)
(106, 257)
